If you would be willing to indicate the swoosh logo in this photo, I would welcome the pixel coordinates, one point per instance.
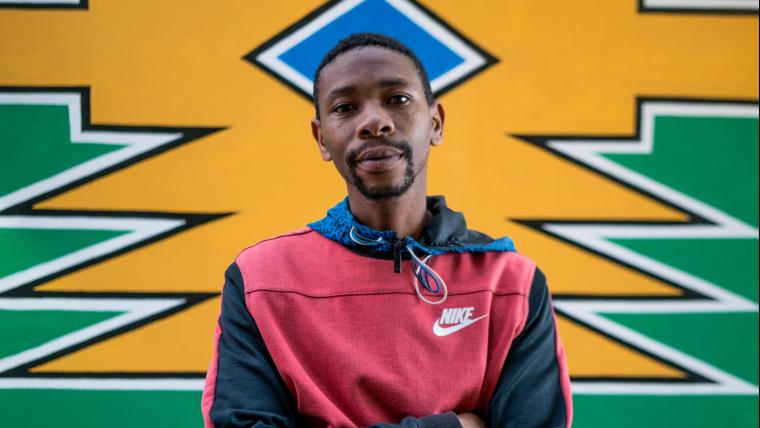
(445, 331)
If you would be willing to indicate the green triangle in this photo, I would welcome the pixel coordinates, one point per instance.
(24, 248)
(35, 144)
(26, 329)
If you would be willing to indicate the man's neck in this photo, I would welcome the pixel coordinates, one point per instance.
(406, 215)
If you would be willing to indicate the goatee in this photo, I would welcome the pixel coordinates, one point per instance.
(381, 193)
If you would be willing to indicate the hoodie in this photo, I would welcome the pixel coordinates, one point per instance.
(340, 325)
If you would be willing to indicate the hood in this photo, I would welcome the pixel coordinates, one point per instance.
(446, 232)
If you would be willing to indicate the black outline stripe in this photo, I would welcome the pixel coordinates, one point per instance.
(251, 56)
(83, 4)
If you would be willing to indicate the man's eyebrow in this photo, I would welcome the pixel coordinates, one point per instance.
(393, 82)
(341, 91)
(350, 89)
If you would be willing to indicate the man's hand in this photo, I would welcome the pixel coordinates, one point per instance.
(471, 420)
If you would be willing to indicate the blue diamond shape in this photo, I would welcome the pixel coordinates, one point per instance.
(293, 55)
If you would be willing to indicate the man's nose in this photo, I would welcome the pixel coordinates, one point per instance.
(375, 122)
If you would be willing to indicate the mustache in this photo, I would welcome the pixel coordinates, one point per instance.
(402, 146)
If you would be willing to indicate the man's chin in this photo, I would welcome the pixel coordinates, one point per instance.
(383, 187)
(382, 193)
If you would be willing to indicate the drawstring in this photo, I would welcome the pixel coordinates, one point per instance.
(354, 235)
(420, 268)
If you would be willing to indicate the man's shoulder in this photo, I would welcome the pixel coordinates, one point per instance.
(304, 236)
(513, 258)
(515, 271)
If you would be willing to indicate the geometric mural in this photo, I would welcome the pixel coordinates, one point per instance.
(144, 144)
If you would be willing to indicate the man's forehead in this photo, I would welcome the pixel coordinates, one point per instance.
(370, 65)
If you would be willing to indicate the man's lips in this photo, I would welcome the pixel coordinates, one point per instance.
(378, 159)
(378, 153)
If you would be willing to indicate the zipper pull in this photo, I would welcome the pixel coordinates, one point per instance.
(398, 246)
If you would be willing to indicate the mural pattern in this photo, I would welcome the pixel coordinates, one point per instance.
(144, 144)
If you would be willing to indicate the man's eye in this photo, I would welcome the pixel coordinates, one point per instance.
(343, 108)
(399, 99)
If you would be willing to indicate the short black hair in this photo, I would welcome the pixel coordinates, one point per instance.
(360, 40)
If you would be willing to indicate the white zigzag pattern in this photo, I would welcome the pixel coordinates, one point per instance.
(137, 229)
(596, 237)
(727, 5)
(134, 310)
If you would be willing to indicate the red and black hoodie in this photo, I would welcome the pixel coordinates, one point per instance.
(339, 325)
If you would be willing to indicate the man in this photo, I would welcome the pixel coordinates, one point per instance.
(387, 311)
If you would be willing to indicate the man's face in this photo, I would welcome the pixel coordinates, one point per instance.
(375, 123)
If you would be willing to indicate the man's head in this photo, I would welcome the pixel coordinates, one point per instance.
(376, 117)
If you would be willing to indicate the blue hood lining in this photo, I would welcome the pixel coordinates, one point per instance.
(339, 222)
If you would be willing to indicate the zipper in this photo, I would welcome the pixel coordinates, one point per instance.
(398, 247)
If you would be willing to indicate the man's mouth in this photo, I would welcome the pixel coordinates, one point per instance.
(378, 159)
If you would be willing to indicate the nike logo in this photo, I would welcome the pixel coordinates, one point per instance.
(458, 317)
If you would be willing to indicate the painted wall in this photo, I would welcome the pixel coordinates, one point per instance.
(143, 144)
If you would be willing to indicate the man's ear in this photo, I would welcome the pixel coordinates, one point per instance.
(316, 131)
(437, 115)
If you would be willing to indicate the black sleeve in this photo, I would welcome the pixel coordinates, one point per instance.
(441, 420)
(249, 390)
(529, 392)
